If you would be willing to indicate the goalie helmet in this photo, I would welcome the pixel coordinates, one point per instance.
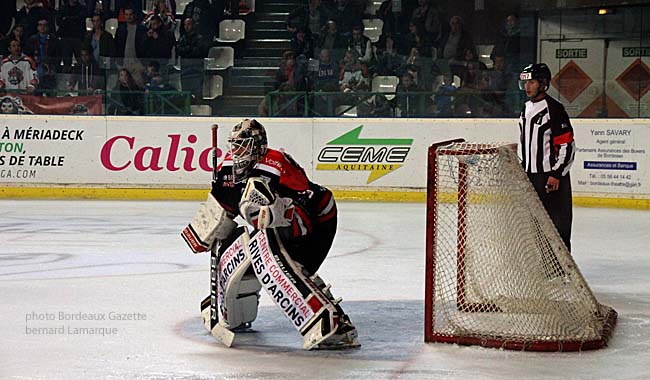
(538, 71)
(247, 145)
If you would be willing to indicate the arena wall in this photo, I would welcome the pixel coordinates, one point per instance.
(363, 159)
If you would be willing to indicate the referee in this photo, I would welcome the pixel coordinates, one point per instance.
(547, 147)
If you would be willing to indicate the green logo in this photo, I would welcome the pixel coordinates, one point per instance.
(350, 153)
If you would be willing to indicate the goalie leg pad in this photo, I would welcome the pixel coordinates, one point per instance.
(234, 289)
(242, 299)
(210, 223)
(312, 312)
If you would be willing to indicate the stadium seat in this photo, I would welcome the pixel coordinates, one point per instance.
(212, 87)
(231, 30)
(343, 111)
(219, 58)
(111, 26)
(484, 52)
(180, 6)
(200, 110)
(456, 81)
(372, 28)
(385, 84)
(372, 7)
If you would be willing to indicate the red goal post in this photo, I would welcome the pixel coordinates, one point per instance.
(497, 272)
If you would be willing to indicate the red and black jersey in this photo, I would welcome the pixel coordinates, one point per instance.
(313, 203)
(546, 134)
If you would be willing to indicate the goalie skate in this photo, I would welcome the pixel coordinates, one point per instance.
(345, 337)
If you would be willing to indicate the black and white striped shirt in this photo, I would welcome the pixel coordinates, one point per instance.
(546, 138)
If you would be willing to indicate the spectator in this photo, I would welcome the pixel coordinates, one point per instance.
(455, 44)
(385, 14)
(508, 41)
(332, 40)
(405, 100)
(388, 61)
(414, 65)
(157, 83)
(94, 7)
(153, 69)
(72, 29)
(86, 75)
(44, 47)
(160, 9)
(99, 41)
(192, 49)
(18, 34)
(413, 39)
(30, 13)
(290, 72)
(326, 78)
(159, 42)
(427, 19)
(117, 8)
(471, 73)
(18, 71)
(302, 43)
(127, 96)
(444, 97)
(206, 15)
(7, 15)
(493, 85)
(285, 105)
(353, 74)
(346, 13)
(361, 44)
(130, 37)
(311, 17)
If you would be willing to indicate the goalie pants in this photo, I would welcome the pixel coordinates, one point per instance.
(558, 204)
(311, 250)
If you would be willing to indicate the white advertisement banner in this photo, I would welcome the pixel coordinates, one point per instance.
(612, 155)
(50, 150)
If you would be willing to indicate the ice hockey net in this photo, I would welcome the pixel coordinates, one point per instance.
(497, 272)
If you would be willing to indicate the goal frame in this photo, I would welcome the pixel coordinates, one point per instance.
(430, 269)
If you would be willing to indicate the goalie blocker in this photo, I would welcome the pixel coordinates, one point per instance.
(305, 301)
(210, 223)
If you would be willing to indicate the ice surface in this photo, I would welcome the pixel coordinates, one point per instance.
(64, 259)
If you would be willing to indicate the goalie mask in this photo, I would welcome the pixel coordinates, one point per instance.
(247, 144)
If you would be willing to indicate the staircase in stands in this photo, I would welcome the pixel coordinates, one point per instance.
(254, 72)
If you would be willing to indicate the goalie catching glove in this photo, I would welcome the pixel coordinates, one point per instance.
(261, 208)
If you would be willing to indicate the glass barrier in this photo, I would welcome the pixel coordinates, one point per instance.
(92, 90)
(447, 102)
(428, 59)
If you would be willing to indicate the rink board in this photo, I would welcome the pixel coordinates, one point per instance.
(361, 159)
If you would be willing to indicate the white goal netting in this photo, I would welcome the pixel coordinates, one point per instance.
(498, 273)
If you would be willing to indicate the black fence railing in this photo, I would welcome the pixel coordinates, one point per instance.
(459, 103)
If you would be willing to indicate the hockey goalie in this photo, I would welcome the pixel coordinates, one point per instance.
(293, 224)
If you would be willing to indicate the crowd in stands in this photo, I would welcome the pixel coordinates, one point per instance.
(44, 49)
(428, 51)
(331, 53)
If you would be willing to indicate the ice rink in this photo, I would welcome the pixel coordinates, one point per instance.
(62, 260)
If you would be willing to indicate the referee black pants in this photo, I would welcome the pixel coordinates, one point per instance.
(558, 204)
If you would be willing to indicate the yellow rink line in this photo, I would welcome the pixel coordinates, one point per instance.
(377, 195)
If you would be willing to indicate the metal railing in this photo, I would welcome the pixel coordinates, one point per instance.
(460, 103)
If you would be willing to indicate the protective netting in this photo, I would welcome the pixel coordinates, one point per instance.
(501, 274)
